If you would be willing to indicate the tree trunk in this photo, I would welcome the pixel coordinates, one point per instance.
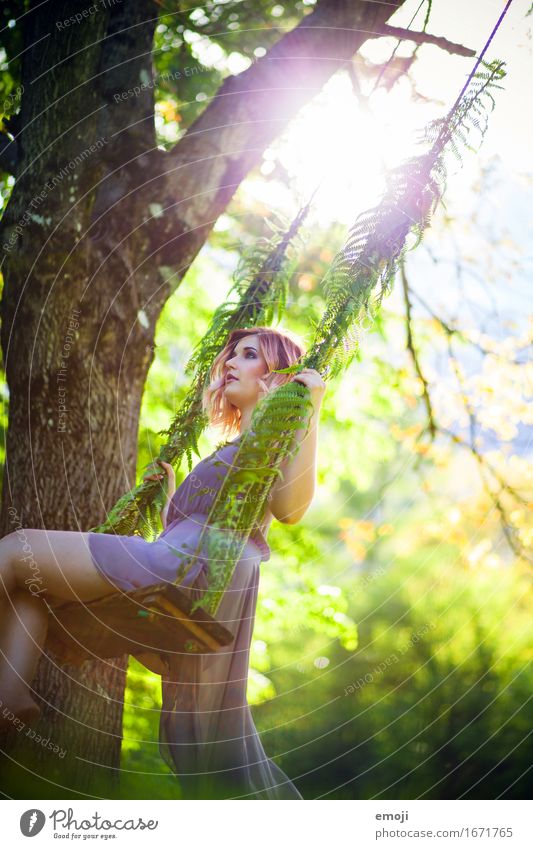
(77, 337)
(96, 210)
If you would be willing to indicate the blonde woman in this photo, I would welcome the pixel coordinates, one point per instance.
(207, 734)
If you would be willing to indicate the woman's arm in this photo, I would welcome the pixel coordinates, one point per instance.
(291, 495)
(163, 513)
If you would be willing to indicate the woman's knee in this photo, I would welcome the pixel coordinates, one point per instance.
(18, 561)
(9, 551)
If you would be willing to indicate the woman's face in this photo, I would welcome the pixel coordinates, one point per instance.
(245, 365)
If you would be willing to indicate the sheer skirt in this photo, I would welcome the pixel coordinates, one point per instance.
(207, 734)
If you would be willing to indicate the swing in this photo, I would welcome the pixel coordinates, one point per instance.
(161, 618)
(156, 619)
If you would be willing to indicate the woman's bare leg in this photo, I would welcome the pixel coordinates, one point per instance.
(34, 565)
(22, 638)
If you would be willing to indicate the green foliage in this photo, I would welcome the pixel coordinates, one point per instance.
(11, 53)
(434, 701)
(140, 736)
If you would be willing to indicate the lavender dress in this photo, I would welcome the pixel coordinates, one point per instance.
(206, 734)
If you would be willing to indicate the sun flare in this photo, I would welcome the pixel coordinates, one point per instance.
(343, 148)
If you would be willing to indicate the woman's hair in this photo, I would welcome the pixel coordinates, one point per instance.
(279, 349)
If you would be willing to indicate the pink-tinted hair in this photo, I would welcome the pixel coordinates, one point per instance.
(280, 349)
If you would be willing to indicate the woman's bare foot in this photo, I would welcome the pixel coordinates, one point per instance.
(16, 709)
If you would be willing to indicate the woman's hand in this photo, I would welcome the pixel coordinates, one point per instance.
(157, 476)
(312, 379)
(171, 486)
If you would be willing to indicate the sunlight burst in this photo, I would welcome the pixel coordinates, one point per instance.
(344, 147)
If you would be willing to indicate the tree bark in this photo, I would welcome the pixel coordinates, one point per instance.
(77, 337)
(83, 248)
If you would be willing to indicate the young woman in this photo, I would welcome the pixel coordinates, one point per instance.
(207, 735)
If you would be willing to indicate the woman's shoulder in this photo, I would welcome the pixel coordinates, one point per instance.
(225, 447)
(227, 442)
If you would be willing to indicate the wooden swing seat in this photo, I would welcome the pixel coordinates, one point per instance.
(156, 619)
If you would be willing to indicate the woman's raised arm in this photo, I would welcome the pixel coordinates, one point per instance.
(291, 496)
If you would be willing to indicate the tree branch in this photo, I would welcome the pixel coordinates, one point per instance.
(460, 334)
(505, 523)
(198, 178)
(414, 355)
(426, 38)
